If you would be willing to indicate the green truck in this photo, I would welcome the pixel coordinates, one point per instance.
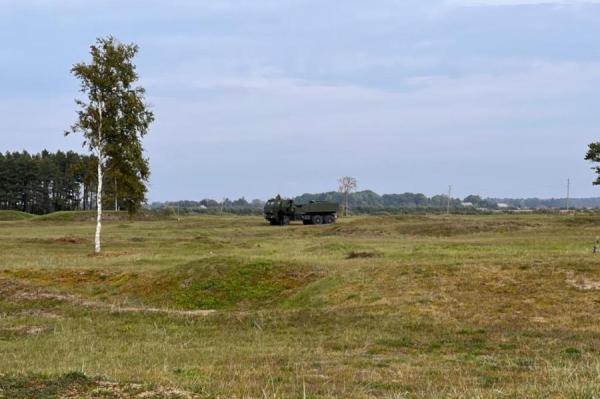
(280, 211)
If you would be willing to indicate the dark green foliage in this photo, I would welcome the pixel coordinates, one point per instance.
(46, 182)
(209, 206)
(593, 155)
(368, 199)
(574, 352)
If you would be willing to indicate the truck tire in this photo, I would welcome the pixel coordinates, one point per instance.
(328, 219)
(273, 222)
(317, 219)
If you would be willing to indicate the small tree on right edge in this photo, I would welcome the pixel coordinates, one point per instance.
(346, 185)
(593, 155)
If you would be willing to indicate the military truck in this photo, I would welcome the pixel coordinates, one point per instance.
(280, 211)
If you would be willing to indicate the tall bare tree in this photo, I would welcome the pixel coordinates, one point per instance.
(114, 119)
(346, 185)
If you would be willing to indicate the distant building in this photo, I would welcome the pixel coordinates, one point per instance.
(502, 205)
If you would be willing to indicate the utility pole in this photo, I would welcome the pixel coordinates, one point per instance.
(449, 196)
(568, 194)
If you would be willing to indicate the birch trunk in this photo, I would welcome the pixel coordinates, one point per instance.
(99, 204)
(100, 154)
(346, 206)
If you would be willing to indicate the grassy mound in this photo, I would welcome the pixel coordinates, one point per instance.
(231, 282)
(216, 283)
(71, 216)
(90, 216)
(9, 216)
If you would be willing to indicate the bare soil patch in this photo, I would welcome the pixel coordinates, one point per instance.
(581, 283)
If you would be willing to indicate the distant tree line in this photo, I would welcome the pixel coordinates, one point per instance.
(240, 206)
(370, 202)
(46, 182)
(57, 181)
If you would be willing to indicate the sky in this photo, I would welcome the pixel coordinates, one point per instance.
(253, 98)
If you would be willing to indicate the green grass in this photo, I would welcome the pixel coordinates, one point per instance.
(7, 216)
(391, 307)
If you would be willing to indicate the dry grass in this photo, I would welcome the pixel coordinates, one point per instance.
(400, 307)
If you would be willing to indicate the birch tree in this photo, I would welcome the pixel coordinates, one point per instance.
(113, 120)
(346, 185)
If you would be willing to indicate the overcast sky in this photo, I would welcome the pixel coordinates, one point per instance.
(254, 98)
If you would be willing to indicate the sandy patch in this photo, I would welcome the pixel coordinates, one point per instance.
(581, 283)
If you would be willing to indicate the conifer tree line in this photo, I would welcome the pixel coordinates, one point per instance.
(54, 181)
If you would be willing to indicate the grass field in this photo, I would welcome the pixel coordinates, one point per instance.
(498, 306)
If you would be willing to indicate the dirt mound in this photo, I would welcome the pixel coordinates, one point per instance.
(198, 286)
(220, 283)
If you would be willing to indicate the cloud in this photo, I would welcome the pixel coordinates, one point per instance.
(524, 122)
(406, 95)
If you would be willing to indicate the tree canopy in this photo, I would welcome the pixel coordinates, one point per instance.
(115, 118)
(593, 155)
(46, 182)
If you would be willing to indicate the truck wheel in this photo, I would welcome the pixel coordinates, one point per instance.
(273, 222)
(317, 219)
(328, 219)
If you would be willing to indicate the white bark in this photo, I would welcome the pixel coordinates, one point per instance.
(347, 184)
(346, 206)
(100, 154)
(99, 204)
